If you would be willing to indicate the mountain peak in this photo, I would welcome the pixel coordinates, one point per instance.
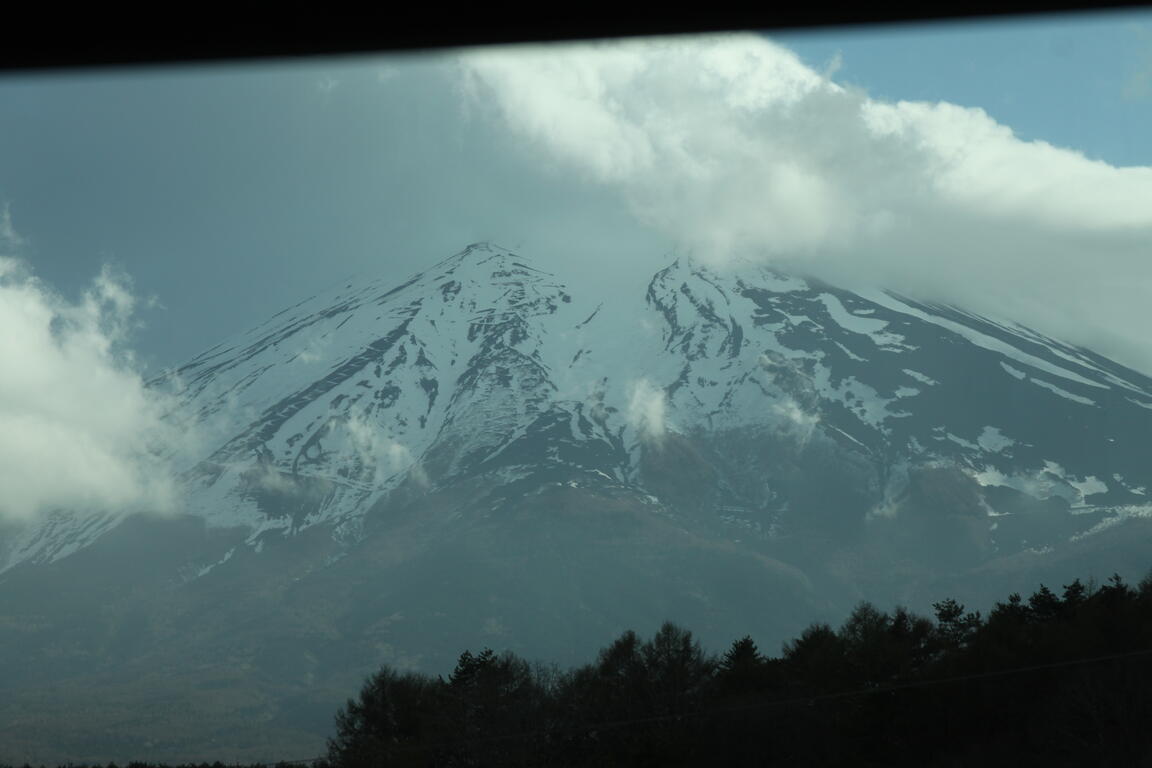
(474, 252)
(353, 393)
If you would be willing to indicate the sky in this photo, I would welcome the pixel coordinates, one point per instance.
(1082, 80)
(145, 216)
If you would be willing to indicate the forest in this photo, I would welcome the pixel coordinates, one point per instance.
(1056, 678)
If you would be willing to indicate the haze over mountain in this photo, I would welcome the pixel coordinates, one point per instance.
(398, 469)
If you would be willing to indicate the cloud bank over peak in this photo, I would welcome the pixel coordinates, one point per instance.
(731, 146)
(78, 429)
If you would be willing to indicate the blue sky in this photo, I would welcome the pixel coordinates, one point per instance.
(1081, 81)
(229, 192)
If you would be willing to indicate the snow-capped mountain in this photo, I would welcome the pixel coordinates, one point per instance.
(486, 364)
(395, 469)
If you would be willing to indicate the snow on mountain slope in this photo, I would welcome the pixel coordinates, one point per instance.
(349, 391)
(486, 366)
(899, 380)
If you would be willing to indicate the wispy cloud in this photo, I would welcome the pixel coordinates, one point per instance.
(1138, 85)
(833, 65)
(646, 410)
(11, 242)
(384, 455)
(314, 349)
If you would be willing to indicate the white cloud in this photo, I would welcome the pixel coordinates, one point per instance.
(385, 455)
(646, 409)
(78, 429)
(979, 166)
(314, 349)
(10, 240)
(731, 145)
(796, 418)
(268, 478)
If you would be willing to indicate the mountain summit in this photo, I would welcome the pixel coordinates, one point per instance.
(475, 455)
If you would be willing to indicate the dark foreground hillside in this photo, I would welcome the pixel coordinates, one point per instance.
(1054, 679)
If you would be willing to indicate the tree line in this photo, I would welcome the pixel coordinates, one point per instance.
(1053, 679)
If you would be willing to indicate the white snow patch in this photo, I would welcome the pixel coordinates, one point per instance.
(920, 377)
(983, 340)
(1140, 403)
(1086, 487)
(1015, 373)
(1062, 392)
(837, 429)
(1139, 490)
(965, 443)
(1121, 514)
(992, 439)
(1041, 484)
(851, 354)
(866, 403)
(865, 326)
(1076, 357)
(1089, 486)
(207, 568)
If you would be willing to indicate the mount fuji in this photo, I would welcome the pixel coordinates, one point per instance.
(394, 470)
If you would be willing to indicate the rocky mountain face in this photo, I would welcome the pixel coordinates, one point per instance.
(395, 470)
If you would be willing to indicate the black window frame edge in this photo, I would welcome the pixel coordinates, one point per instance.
(46, 37)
